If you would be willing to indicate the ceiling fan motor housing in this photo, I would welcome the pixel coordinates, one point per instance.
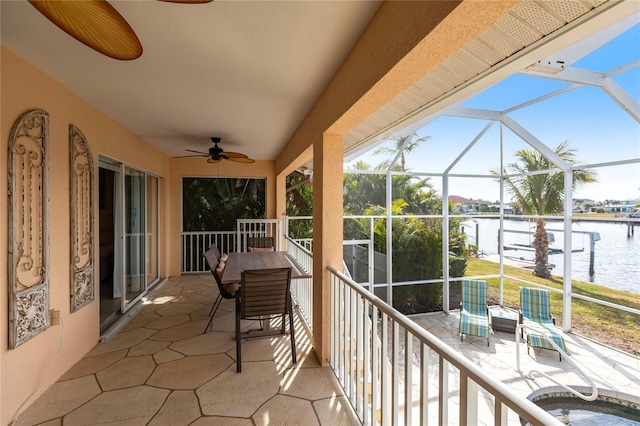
(216, 152)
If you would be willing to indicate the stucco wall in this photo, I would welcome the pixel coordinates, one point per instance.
(24, 88)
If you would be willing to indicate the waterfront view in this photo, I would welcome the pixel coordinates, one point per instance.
(616, 256)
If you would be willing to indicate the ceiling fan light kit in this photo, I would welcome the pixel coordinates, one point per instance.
(96, 24)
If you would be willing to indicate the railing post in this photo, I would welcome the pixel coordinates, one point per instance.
(375, 365)
(424, 385)
(408, 376)
(468, 400)
(385, 385)
(366, 361)
(395, 369)
(443, 392)
(501, 413)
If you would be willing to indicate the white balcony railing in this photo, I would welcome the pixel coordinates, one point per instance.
(302, 289)
(426, 378)
(195, 243)
(248, 228)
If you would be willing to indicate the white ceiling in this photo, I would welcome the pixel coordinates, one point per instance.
(245, 71)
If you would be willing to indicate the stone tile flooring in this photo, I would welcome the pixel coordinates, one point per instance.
(160, 369)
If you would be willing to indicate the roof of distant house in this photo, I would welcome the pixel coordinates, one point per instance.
(461, 200)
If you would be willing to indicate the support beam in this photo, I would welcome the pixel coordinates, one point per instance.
(568, 243)
(535, 143)
(327, 234)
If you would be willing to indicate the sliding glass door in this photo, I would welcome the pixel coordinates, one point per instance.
(134, 236)
(128, 216)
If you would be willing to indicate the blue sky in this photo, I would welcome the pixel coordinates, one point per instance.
(587, 118)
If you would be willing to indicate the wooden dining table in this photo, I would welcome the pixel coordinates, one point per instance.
(238, 262)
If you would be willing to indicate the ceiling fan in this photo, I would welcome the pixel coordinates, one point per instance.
(217, 154)
(96, 24)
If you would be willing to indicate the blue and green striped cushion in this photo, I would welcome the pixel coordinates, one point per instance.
(534, 303)
(473, 313)
(536, 312)
(537, 340)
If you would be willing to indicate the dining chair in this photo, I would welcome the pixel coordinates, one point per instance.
(264, 294)
(225, 291)
(260, 244)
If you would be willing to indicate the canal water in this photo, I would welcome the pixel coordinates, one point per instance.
(616, 256)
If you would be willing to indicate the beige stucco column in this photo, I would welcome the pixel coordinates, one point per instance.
(327, 233)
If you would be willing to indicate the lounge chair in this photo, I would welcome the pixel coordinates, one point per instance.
(474, 313)
(535, 312)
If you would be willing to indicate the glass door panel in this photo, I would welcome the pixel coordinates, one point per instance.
(134, 230)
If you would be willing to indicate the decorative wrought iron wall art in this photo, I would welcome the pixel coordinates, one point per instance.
(28, 227)
(82, 223)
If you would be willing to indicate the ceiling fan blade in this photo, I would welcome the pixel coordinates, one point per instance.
(233, 154)
(187, 1)
(211, 160)
(242, 160)
(95, 23)
(189, 156)
(206, 154)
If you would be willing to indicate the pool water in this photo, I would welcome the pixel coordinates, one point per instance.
(579, 417)
(576, 412)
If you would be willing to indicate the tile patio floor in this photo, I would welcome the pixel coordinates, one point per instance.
(159, 369)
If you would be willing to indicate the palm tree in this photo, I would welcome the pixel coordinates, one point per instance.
(363, 191)
(413, 144)
(540, 194)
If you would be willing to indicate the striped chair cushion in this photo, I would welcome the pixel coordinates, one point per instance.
(474, 319)
(536, 312)
(537, 340)
(534, 303)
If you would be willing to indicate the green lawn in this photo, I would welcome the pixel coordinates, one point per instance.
(603, 324)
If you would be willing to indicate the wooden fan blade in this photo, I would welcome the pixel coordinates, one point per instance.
(242, 160)
(233, 154)
(211, 160)
(94, 23)
(206, 154)
(189, 156)
(187, 1)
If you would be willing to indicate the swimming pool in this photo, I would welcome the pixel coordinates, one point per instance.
(610, 408)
